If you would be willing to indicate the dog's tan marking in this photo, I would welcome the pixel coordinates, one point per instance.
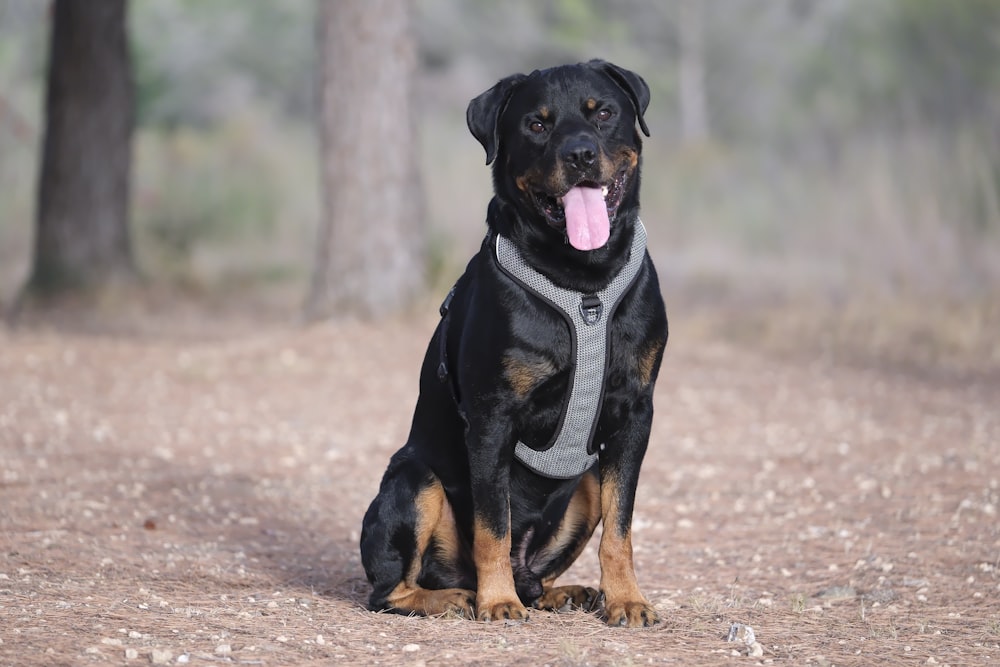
(433, 602)
(624, 604)
(434, 519)
(535, 181)
(608, 167)
(591, 103)
(445, 535)
(544, 113)
(496, 598)
(626, 157)
(526, 374)
(633, 158)
(584, 510)
(647, 362)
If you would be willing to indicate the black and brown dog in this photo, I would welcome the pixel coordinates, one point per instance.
(461, 523)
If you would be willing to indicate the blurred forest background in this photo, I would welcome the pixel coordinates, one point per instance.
(823, 152)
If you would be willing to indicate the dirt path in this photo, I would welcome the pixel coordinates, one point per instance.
(198, 501)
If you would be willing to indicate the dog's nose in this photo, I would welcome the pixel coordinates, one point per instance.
(579, 153)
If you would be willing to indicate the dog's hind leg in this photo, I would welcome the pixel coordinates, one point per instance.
(408, 517)
(578, 524)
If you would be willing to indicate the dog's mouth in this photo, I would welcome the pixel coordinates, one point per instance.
(585, 210)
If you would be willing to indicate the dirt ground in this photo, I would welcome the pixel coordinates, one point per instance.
(175, 498)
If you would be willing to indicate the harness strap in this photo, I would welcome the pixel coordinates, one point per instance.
(570, 453)
(445, 311)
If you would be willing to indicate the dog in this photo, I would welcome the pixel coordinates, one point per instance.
(527, 432)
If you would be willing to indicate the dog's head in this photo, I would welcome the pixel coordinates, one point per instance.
(565, 149)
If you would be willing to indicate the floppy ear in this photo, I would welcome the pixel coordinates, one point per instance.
(632, 84)
(483, 114)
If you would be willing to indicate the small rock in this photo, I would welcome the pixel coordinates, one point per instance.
(158, 657)
(756, 650)
(411, 648)
(281, 638)
(131, 654)
(134, 635)
(223, 649)
(320, 640)
(738, 632)
(183, 658)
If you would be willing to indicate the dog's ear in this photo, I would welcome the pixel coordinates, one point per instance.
(483, 114)
(631, 84)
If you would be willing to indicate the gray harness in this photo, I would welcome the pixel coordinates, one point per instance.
(569, 454)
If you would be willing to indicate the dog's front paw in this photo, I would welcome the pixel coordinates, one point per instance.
(630, 614)
(504, 610)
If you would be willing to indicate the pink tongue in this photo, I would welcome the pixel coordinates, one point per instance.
(587, 222)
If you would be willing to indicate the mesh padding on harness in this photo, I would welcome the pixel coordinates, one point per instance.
(568, 454)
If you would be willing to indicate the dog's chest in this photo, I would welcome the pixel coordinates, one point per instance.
(542, 382)
(571, 450)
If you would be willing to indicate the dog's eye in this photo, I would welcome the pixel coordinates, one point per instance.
(536, 126)
(604, 115)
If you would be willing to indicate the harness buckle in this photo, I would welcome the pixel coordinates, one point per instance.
(591, 309)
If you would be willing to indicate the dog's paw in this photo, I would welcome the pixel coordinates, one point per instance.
(630, 614)
(456, 601)
(565, 598)
(511, 610)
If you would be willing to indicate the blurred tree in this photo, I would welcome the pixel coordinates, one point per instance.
(921, 64)
(195, 63)
(370, 252)
(82, 237)
(694, 108)
(948, 58)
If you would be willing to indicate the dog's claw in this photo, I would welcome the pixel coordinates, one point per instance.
(510, 611)
(631, 614)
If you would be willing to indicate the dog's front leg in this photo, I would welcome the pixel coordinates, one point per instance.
(624, 604)
(490, 452)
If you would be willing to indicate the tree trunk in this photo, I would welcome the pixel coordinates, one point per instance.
(370, 252)
(82, 238)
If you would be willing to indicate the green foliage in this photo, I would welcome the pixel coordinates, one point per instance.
(152, 85)
(208, 187)
(856, 140)
(237, 198)
(576, 23)
(195, 61)
(948, 56)
(904, 61)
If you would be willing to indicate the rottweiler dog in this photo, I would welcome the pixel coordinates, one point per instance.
(527, 433)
